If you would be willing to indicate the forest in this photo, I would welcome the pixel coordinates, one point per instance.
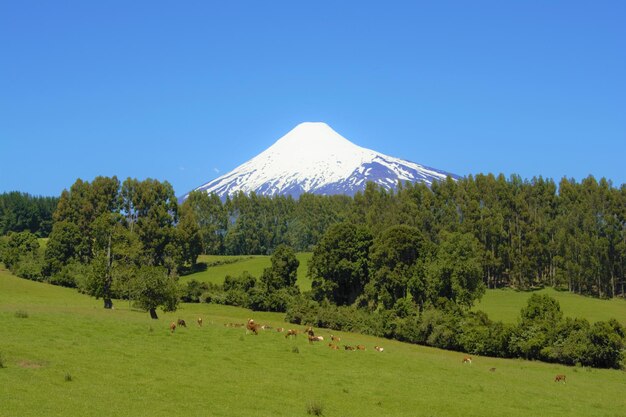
(528, 233)
(406, 264)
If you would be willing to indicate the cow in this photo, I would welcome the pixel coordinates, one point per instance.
(467, 359)
(200, 321)
(182, 323)
(315, 338)
(333, 346)
(173, 326)
(280, 329)
(291, 332)
(310, 331)
(252, 326)
(559, 377)
(360, 347)
(335, 338)
(378, 348)
(346, 347)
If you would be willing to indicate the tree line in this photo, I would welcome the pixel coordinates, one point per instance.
(21, 212)
(529, 232)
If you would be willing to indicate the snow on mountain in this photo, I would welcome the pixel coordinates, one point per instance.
(313, 158)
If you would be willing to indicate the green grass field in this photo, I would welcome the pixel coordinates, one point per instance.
(70, 357)
(505, 305)
(236, 265)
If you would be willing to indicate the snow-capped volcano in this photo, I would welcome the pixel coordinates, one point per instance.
(313, 158)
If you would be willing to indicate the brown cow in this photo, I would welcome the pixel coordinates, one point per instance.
(559, 377)
(200, 321)
(467, 359)
(335, 338)
(378, 348)
(173, 326)
(333, 346)
(280, 329)
(346, 347)
(182, 323)
(315, 338)
(310, 331)
(252, 326)
(360, 347)
(291, 332)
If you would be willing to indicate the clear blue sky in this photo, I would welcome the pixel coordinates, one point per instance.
(180, 91)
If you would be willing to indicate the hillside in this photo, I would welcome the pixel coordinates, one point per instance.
(122, 363)
(501, 304)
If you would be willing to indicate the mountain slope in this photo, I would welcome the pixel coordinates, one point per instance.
(313, 158)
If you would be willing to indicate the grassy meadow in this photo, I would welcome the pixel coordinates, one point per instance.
(505, 305)
(218, 266)
(62, 354)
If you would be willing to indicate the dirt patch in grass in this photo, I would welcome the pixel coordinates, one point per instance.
(27, 364)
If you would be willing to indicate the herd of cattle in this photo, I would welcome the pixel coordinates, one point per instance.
(252, 327)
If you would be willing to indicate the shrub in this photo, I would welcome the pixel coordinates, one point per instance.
(68, 377)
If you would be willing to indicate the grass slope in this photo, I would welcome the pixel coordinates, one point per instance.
(236, 265)
(122, 363)
(505, 305)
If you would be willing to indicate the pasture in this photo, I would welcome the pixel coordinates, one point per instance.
(505, 305)
(62, 354)
(218, 266)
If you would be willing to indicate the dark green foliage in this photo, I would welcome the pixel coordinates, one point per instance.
(397, 260)
(283, 270)
(339, 266)
(16, 246)
(156, 288)
(21, 254)
(21, 212)
(456, 273)
(541, 334)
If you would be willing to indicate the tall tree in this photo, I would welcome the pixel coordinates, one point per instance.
(339, 265)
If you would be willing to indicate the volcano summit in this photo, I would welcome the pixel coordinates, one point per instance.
(313, 158)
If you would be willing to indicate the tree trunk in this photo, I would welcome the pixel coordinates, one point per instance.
(153, 314)
(108, 303)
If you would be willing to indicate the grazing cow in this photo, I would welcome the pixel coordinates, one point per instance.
(252, 326)
(182, 323)
(559, 377)
(291, 332)
(335, 338)
(173, 326)
(467, 359)
(360, 347)
(333, 346)
(346, 347)
(200, 321)
(378, 348)
(280, 329)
